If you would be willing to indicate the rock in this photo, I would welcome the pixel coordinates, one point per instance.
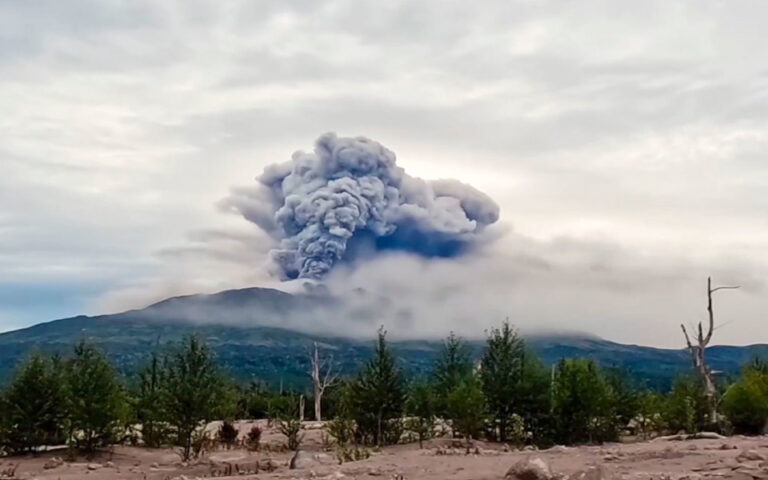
(558, 449)
(268, 465)
(108, 465)
(592, 473)
(154, 465)
(305, 460)
(93, 466)
(530, 469)
(708, 436)
(750, 455)
(54, 462)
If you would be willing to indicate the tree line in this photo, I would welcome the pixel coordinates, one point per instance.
(508, 395)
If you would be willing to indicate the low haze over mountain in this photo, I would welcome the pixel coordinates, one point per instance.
(241, 326)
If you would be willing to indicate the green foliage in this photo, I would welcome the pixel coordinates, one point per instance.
(466, 408)
(34, 406)
(452, 366)
(534, 403)
(501, 375)
(648, 418)
(686, 406)
(623, 400)
(288, 422)
(254, 401)
(149, 405)
(96, 404)
(420, 406)
(745, 403)
(377, 397)
(585, 405)
(194, 392)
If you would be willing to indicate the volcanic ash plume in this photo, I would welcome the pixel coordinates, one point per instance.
(349, 199)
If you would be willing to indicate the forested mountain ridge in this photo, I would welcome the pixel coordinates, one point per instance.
(280, 355)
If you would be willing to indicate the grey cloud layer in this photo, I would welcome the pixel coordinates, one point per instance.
(640, 125)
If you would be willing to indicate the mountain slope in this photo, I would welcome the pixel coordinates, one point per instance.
(250, 350)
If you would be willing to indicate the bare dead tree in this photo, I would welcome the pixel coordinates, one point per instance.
(698, 350)
(322, 378)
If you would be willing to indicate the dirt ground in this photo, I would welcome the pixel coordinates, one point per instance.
(743, 458)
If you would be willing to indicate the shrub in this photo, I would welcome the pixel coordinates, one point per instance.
(342, 430)
(686, 407)
(227, 435)
(253, 438)
(291, 428)
(745, 403)
(584, 404)
(466, 408)
(287, 416)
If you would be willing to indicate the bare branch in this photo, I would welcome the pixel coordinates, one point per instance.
(687, 338)
(726, 287)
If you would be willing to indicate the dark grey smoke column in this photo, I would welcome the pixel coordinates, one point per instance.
(349, 191)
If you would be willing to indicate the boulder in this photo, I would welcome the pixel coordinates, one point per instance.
(591, 473)
(54, 462)
(750, 456)
(529, 469)
(305, 460)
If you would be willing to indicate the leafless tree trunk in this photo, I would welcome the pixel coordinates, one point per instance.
(322, 378)
(698, 350)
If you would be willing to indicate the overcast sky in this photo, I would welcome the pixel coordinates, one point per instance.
(625, 143)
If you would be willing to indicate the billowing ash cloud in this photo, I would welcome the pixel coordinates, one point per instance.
(349, 199)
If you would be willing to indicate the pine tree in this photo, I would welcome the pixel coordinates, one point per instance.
(584, 405)
(466, 408)
(194, 392)
(452, 367)
(96, 402)
(501, 375)
(420, 406)
(34, 406)
(150, 411)
(378, 396)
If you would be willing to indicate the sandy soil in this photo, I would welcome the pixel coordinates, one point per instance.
(743, 458)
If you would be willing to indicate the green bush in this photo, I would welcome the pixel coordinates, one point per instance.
(466, 408)
(686, 406)
(585, 406)
(34, 406)
(745, 403)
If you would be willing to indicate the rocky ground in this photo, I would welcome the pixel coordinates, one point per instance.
(743, 458)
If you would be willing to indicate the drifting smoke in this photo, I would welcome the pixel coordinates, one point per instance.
(349, 199)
